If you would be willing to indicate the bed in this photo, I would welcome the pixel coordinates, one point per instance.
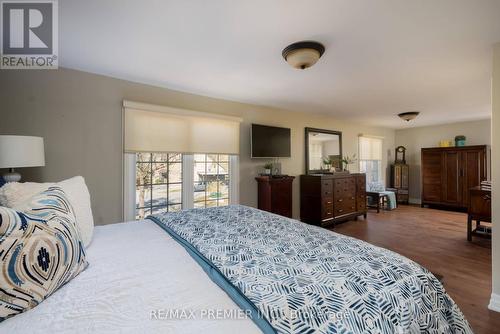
(286, 276)
(135, 269)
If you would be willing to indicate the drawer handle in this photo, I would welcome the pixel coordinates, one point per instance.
(487, 197)
(352, 197)
(341, 200)
(328, 202)
(352, 207)
(340, 210)
(328, 213)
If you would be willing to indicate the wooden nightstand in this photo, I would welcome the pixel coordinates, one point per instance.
(480, 211)
(275, 194)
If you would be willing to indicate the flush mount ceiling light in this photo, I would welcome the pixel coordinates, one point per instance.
(304, 54)
(408, 116)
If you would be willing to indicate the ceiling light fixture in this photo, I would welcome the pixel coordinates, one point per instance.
(304, 54)
(408, 116)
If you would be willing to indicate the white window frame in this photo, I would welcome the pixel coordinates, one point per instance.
(129, 170)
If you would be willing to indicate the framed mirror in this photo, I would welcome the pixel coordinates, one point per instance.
(323, 150)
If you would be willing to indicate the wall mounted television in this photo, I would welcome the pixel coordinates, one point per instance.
(270, 142)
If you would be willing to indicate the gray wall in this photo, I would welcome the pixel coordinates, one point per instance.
(79, 115)
(477, 133)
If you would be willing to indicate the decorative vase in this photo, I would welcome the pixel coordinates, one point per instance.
(460, 140)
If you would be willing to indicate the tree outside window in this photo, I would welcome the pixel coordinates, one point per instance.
(158, 183)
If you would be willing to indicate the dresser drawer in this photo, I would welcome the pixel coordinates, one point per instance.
(326, 193)
(327, 184)
(361, 183)
(326, 201)
(327, 211)
(347, 207)
(344, 197)
(361, 203)
(350, 205)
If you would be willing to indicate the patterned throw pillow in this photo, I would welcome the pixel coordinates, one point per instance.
(40, 250)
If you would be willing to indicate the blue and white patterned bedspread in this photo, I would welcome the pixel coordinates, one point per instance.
(306, 279)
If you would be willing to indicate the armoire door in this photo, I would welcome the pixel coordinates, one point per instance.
(473, 171)
(405, 175)
(397, 176)
(432, 162)
(451, 178)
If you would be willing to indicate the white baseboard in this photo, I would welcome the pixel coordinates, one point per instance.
(494, 302)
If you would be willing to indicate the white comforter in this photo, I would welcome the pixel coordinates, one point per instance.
(135, 269)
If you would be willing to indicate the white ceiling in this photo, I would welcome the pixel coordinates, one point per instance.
(382, 57)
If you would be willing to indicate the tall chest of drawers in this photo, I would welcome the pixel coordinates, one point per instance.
(329, 198)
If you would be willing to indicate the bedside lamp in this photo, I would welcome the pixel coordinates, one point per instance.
(20, 151)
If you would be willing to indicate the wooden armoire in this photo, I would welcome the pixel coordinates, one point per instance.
(449, 172)
(400, 182)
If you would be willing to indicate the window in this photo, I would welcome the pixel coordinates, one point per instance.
(370, 158)
(158, 183)
(168, 182)
(165, 182)
(211, 180)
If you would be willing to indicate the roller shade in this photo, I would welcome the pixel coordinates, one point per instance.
(370, 148)
(150, 128)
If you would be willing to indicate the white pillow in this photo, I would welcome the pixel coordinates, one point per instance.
(17, 195)
(79, 197)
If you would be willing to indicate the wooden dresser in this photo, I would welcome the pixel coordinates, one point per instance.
(275, 194)
(329, 198)
(448, 174)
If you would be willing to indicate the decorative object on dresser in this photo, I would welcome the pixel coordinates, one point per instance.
(348, 160)
(479, 210)
(326, 199)
(323, 150)
(275, 194)
(268, 168)
(20, 151)
(449, 172)
(400, 176)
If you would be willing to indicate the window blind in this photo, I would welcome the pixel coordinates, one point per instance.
(370, 148)
(152, 128)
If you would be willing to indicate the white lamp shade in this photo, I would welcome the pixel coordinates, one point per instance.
(21, 151)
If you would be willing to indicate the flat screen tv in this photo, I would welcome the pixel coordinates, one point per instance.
(270, 142)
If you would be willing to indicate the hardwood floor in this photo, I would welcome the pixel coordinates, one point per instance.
(438, 241)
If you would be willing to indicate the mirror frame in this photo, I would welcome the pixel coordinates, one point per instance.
(330, 132)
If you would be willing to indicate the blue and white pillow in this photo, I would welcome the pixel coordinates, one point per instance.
(40, 250)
